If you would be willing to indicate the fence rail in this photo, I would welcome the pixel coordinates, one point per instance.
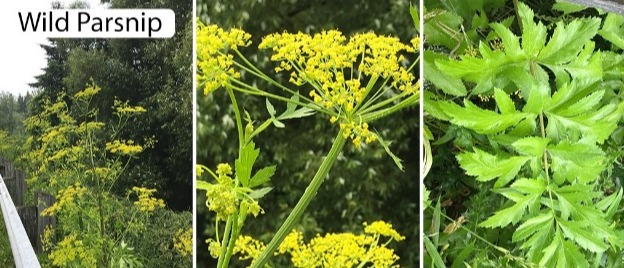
(23, 252)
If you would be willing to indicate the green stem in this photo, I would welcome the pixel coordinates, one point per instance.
(232, 242)
(226, 237)
(239, 121)
(413, 99)
(303, 203)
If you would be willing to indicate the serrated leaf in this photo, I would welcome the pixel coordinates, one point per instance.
(270, 108)
(576, 232)
(532, 226)
(531, 146)
(504, 102)
(613, 29)
(486, 166)
(610, 203)
(596, 126)
(510, 215)
(448, 84)
(510, 41)
(257, 194)
(245, 162)
(583, 105)
(480, 120)
(583, 161)
(538, 97)
(568, 40)
(263, 175)
(529, 186)
(533, 35)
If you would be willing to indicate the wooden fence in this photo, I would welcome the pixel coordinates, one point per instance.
(34, 223)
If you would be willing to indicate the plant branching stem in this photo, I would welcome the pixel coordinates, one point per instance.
(304, 201)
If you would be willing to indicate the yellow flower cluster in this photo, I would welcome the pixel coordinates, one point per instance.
(382, 228)
(331, 250)
(222, 200)
(183, 242)
(214, 65)
(101, 173)
(123, 108)
(70, 250)
(224, 170)
(65, 197)
(124, 147)
(213, 247)
(357, 133)
(88, 92)
(248, 248)
(146, 202)
(330, 64)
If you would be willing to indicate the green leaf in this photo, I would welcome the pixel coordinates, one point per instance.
(291, 111)
(579, 160)
(533, 35)
(270, 108)
(277, 123)
(480, 120)
(576, 232)
(504, 102)
(245, 162)
(510, 41)
(583, 105)
(448, 84)
(257, 194)
(303, 112)
(385, 145)
(487, 167)
(462, 256)
(511, 215)
(610, 203)
(414, 13)
(530, 186)
(613, 29)
(568, 8)
(531, 146)
(432, 250)
(262, 176)
(591, 125)
(568, 40)
(533, 225)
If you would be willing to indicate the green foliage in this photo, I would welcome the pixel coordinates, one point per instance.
(543, 138)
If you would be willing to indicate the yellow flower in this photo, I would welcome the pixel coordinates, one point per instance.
(146, 202)
(248, 248)
(214, 65)
(71, 249)
(382, 228)
(222, 200)
(124, 147)
(183, 242)
(123, 108)
(65, 198)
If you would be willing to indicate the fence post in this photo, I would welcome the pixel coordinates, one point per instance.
(23, 253)
(44, 200)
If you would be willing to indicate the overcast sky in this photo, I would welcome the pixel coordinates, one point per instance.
(21, 57)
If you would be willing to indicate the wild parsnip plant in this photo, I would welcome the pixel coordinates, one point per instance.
(351, 81)
(79, 159)
(544, 149)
